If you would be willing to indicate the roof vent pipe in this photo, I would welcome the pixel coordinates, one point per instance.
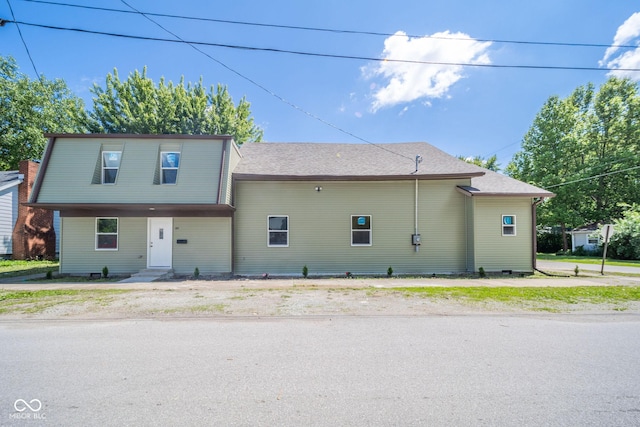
(418, 161)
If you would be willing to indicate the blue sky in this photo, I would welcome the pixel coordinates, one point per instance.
(463, 110)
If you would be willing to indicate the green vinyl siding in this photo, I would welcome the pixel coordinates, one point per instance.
(208, 245)
(493, 251)
(320, 227)
(232, 160)
(78, 254)
(470, 221)
(72, 169)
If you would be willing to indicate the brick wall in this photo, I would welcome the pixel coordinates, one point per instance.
(33, 234)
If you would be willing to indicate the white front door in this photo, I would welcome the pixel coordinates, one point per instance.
(160, 242)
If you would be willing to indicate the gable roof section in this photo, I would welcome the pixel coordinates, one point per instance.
(67, 178)
(329, 161)
(496, 184)
(10, 179)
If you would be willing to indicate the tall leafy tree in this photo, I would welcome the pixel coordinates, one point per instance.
(29, 109)
(613, 144)
(583, 148)
(137, 105)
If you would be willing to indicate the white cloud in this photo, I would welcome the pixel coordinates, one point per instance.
(613, 58)
(406, 82)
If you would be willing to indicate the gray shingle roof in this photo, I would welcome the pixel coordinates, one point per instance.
(310, 160)
(496, 184)
(273, 161)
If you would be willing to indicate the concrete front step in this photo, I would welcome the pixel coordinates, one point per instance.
(149, 275)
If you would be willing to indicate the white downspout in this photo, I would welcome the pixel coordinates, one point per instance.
(416, 217)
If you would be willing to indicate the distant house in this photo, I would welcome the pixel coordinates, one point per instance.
(178, 202)
(9, 182)
(586, 236)
(25, 232)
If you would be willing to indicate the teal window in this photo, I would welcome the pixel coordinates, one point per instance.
(110, 166)
(106, 234)
(169, 164)
(360, 230)
(508, 225)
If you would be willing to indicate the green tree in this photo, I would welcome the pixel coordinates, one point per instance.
(612, 143)
(31, 108)
(550, 156)
(491, 163)
(136, 105)
(582, 148)
(625, 243)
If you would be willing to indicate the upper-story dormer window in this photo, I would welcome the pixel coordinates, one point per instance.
(169, 164)
(110, 166)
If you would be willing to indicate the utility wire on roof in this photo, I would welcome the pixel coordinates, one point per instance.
(289, 103)
(334, 30)
(33, 64)
(193, 44)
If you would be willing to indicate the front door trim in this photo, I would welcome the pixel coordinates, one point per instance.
(159, 242)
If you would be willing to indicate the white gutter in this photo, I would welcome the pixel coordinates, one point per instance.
(13, 183)
(416, 217)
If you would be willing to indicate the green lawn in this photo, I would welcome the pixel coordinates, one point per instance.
(586, 260)
(30, 302)
(549, 299)
(10, 268)
(571, 295)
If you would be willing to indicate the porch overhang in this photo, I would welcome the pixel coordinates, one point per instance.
(137, 209)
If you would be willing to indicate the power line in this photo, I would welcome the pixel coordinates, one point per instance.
(33, 64)
(296, 107)
(326, 55)
(593, 177)
(333, 30)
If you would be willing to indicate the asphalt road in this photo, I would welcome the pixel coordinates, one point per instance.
(552, 370)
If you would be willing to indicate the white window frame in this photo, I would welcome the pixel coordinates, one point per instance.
(506, 226)
(269, 231)
(595, 238)
(104, 167)
(117, 234)
(370, 229)
(163, 168)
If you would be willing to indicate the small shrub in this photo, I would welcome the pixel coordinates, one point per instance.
(389, 271)
(576, 270)
(265, 276)
(196, 273)
(305, 271)
(580, 251)
(105, 271)
(349, 275)
(481, 272)
(49, 275)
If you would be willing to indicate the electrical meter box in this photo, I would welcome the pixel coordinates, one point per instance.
(416, 239)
